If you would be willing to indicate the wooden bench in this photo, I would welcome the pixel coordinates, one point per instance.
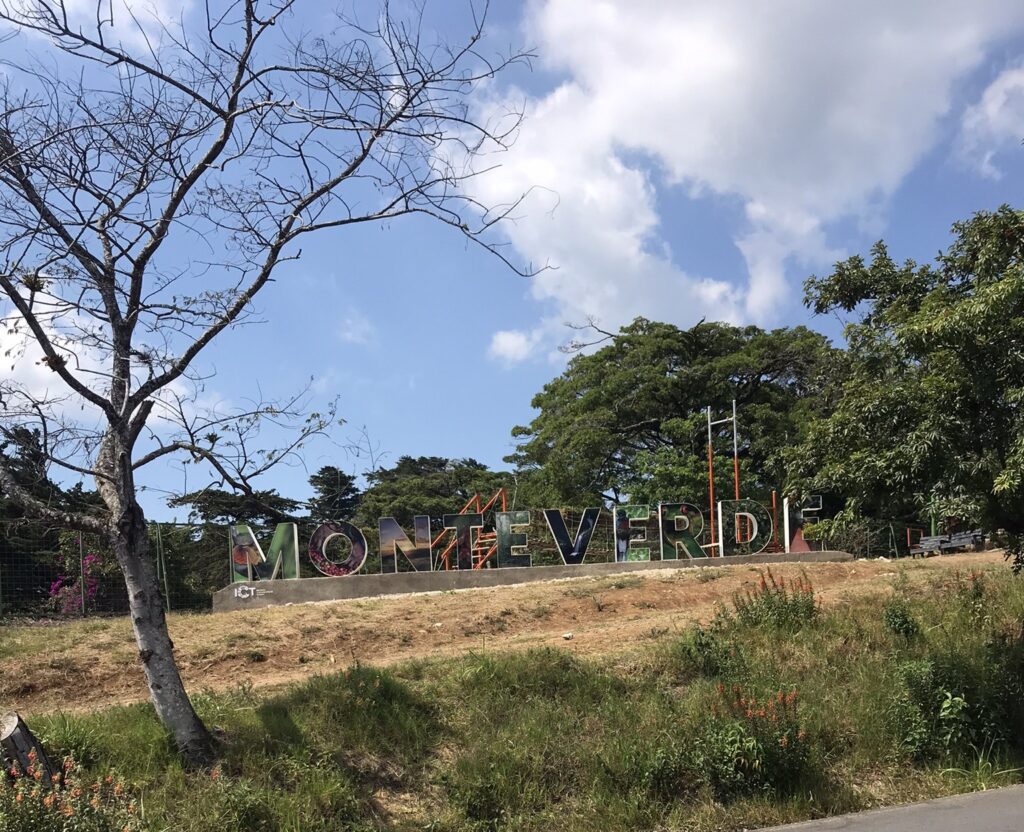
(937, 544)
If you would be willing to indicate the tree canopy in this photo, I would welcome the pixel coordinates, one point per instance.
(928, 415)
(431, 485)
(215, 505)
(336, 496)
(629, 419)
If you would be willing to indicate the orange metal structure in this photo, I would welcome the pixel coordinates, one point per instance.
(486, 543)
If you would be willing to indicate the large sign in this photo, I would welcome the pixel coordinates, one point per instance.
(495, 538)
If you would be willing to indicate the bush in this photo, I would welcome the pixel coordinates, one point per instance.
(28, 805)
(753, 745)
(775, 604)
(898, 619)
(709, 653)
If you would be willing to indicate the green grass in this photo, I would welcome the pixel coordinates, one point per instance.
(776, 712)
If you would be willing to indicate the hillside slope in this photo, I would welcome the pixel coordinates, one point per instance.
(79, 665)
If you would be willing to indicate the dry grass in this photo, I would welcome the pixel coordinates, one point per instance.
(79, 665)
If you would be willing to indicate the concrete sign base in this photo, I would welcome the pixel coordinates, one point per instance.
(257, 594)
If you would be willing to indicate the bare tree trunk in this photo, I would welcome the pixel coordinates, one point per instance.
(129, 539)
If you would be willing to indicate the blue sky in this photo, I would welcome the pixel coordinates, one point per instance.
(690, 159)
(705, 161)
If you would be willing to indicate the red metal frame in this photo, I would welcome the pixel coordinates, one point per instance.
(486, 543)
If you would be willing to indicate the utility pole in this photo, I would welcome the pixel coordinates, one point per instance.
(733, 419)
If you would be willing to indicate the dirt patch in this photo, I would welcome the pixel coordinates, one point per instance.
(84, 664)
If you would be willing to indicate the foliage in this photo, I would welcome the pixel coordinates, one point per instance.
(773, 603)
(710, 654)
(630, 417)
(72, 802)
(899, 620)
(27, 549)
(430, 485)
(335, 495)
(650, 740)
(765, 745)
(928, 415)
(215, 505)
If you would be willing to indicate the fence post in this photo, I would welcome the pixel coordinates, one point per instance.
(81, 566)
(161, 565)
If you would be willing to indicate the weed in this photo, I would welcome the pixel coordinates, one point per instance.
(898, 619)
(773, 603)
(710, 653)
(71, 802)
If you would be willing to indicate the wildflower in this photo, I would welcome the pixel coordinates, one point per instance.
(95, 803)
(68, 811)
(76, 792)
(48, 801)
(108, 779)
(19, 797)
(784, 741)
(32, 756)
(215, 774)
(801, 734)
(118, 789)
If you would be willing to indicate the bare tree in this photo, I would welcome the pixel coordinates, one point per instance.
(150, 188)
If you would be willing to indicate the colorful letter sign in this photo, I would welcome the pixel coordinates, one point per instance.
(489, 537)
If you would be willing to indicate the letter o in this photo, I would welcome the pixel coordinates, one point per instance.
(324, 533)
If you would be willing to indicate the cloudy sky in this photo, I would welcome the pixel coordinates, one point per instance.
(687, 159)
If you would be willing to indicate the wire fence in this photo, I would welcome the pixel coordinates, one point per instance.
(49, 572)
(53, 572)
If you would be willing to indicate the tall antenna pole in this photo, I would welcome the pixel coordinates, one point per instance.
(711, 480)
(736, 459)
(735, 449)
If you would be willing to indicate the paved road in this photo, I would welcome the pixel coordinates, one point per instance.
(999, 810)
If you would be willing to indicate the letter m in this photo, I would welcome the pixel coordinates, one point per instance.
(248, 563)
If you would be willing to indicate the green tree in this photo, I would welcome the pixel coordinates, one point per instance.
(629, 419)
(214, 505)
(430, 485)
(28, 549)
(928, 417)
(336, 496)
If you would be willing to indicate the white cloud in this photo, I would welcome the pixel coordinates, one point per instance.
(137, 25)
(806, 112)
(356, 328)
(512, 346)
(996, 122)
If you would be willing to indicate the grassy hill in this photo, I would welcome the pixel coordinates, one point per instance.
(776, 710)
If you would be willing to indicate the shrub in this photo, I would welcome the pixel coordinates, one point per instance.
(28, 805)
(898, 619)
(774, 603)
(753, 745)
(708, 653)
